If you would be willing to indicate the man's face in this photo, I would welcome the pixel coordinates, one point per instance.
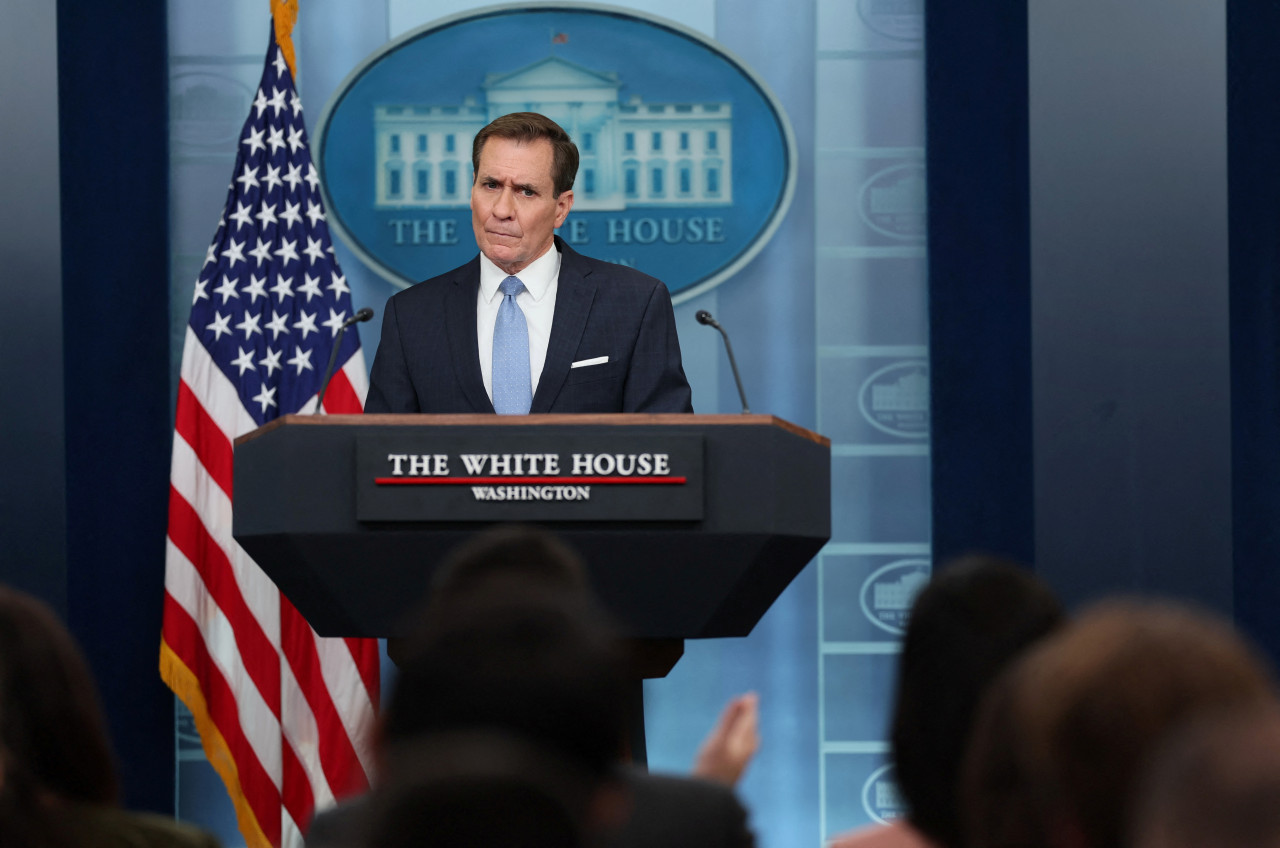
(514, 210)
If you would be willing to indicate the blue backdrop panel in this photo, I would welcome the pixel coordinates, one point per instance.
(888, 491)
(855, 704)
(1130, 313)
(33, 485)
(878, 301)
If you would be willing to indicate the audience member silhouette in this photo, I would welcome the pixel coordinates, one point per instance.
(481, 789)
(512, 643)
(1062, 740)
(508, 557)
(968, 622)
(500, 692)
(59, 785)
(519, 555)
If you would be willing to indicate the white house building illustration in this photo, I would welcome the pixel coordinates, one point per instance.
(900, 594)
(888, 800)
(631, 153)
(910, 393)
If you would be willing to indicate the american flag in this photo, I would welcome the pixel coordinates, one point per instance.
(284, 715)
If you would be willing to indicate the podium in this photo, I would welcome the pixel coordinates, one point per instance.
(691, 525)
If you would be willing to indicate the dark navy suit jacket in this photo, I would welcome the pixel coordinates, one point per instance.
(428, 361)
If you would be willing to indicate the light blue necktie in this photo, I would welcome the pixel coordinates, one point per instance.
(512, 385)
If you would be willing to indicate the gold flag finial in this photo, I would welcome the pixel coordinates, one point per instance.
(284, 13)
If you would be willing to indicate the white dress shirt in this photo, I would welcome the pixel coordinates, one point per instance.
(538, 302)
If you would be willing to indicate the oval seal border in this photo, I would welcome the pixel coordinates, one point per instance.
(871, 810)
(869, 17)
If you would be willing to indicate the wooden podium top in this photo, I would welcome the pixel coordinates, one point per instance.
(487, 420)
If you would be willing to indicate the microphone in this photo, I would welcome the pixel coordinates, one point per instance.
(704, 317)
(362, 314)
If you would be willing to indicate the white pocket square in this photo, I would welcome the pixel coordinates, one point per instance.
(583, 363)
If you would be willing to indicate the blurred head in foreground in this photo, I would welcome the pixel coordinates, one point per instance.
(1214, 784)
(51, 725)
(507, 558)
(56, 766)
(481, 789)
(505, 722)
(968, 622)
(534, 663)
(1063, 737)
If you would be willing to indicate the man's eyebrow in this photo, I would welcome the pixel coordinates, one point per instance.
(489, 178)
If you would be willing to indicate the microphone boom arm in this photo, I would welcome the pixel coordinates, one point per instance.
(704, 317)
(362, 315)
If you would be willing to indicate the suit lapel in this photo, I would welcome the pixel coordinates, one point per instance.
(460, 321)
(574, 294)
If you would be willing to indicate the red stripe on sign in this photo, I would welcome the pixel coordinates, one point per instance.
(258, 654)
(340, 398)
(338, 758)
(548, 481)
(205, 437)
(182, 635)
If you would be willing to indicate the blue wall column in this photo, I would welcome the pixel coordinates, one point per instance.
(979, 279)
(1254, 137)
(112, 86)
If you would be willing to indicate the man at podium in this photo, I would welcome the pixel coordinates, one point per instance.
(529, 325)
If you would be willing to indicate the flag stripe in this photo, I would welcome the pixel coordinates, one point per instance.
(345, 684)
(299, 802)
(298, 797)
(217, 394)
(260, 793)
(199, 430)
(257, 722)
(299, 726)
(195, 486)
(291, 833)
(358, 376)
(340, 397)
(341, 766)
(364, 652)
(182, 680)
(189, 535)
